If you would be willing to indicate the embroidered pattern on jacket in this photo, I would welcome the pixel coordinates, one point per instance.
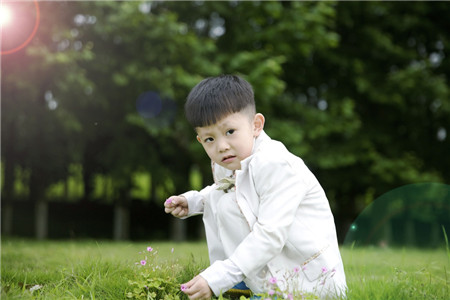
(315, 255)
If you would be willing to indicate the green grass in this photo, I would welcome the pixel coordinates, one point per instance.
(101, 270)
(374, 273)
(83, 269)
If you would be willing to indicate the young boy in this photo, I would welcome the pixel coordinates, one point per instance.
(266, 216)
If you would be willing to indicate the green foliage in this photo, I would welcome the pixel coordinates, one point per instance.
(155, 281)
(154, 288)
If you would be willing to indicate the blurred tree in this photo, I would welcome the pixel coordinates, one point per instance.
(340, 83)
(37, 130)
(363, 98)
(260, 40)
(145, 64)
(274, 45)
(394, 76)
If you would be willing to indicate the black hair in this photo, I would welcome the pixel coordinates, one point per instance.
(216, 97)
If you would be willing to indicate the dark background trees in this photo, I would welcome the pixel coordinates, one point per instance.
(92, 108)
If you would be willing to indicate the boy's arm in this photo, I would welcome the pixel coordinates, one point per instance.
(196, 200)
(222, 275)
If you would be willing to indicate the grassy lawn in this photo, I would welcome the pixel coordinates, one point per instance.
(374, 273)
(83, 269)
(103, 269)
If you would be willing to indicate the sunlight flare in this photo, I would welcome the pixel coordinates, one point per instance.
(5, 15)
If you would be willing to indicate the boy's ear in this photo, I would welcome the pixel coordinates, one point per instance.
(198, 139)
(258, 124)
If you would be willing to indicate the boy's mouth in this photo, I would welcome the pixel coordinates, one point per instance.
(228, 158)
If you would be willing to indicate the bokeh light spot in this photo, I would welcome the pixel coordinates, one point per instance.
(149, 104)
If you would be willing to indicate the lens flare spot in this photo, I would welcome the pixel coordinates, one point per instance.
(5, 15)
(149, 105)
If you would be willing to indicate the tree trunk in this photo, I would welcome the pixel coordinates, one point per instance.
(410, 239)
(41, 219)
(386, 236)
(178, 230)
(9, 159)
(87, 181)
(7, 218)
(36, 185)
(435, 234)
(121, 222)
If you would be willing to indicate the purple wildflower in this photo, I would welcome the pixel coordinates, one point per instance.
(143, 262)
(296, 269)
(183, 287)
(273, 280)
(324, 269)
(149, 249)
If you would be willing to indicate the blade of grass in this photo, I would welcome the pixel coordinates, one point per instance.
(446, 243)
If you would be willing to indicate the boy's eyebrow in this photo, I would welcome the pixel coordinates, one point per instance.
(205, 131)
(218, 124)
(226, 123)
(221, 124)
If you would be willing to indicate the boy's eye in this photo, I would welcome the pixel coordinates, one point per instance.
(231, 131)
(208, 140)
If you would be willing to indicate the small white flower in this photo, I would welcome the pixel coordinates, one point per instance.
(35, 287)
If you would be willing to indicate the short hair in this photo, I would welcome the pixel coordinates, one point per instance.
(216, 97)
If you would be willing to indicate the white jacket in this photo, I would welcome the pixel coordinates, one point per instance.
(289, 218)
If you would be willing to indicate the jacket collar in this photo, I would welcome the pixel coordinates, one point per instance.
(259, 141)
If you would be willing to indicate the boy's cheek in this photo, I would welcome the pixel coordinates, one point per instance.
(211, 156)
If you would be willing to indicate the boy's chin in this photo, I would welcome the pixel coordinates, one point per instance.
(231, 167)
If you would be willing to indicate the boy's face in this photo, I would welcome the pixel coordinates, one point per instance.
(231, 139)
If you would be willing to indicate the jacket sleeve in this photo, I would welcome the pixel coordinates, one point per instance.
(196, 200)
(281, 188)
(222, 275)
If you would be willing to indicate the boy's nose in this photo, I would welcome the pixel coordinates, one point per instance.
(223, 146)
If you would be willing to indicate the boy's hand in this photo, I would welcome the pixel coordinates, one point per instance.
(197, 288)
(177, 206)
